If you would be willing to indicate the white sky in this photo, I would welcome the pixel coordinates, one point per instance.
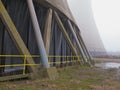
(107, 18)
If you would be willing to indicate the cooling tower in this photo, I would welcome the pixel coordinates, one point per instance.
(89, 31)
(42, 27)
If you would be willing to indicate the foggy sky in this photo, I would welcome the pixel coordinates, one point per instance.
(82, 12)
(95, 16)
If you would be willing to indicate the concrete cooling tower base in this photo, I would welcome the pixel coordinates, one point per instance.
(38, 35)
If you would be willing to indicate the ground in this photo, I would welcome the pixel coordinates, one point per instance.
(71, 78)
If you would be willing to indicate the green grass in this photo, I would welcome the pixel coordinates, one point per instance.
(70, 78)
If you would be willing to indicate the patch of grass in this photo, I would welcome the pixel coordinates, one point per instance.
(85, 84)
(70, 78)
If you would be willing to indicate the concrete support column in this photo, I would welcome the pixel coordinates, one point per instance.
(77, 41)
(84, 47)
(38, 35)
(47, 30)
(63, 30)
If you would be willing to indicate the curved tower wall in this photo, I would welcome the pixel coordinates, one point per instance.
(89, 31)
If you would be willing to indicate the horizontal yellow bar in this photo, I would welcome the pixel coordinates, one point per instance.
(13, 65)
(63, 56)
(19, 55)
(37, 56)
(32, 64)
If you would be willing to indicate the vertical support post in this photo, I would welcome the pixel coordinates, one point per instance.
(66, 60)
(47, 31)
(77, 41)
(59, 61)
(62, 28)
(38, 35)
(51, 72)
(24, 66)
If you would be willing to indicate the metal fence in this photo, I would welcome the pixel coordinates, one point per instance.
(57, 61)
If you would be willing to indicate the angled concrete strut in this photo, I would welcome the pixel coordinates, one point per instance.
(62, 28)
(77, 41)
(47, 30)
(15, 36)
(38, 35)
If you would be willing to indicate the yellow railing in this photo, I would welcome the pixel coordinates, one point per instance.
(58, 60)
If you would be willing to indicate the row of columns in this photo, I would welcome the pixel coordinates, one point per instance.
(43, 46)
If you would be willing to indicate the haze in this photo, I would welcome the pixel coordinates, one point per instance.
(107, 19)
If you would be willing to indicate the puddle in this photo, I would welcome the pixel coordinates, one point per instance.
(108, 65)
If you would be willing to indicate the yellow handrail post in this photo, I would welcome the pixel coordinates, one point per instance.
(49, 60)
(59, 62)
(24, 68)
(79, 61)
(67, 61)
(72, 60)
